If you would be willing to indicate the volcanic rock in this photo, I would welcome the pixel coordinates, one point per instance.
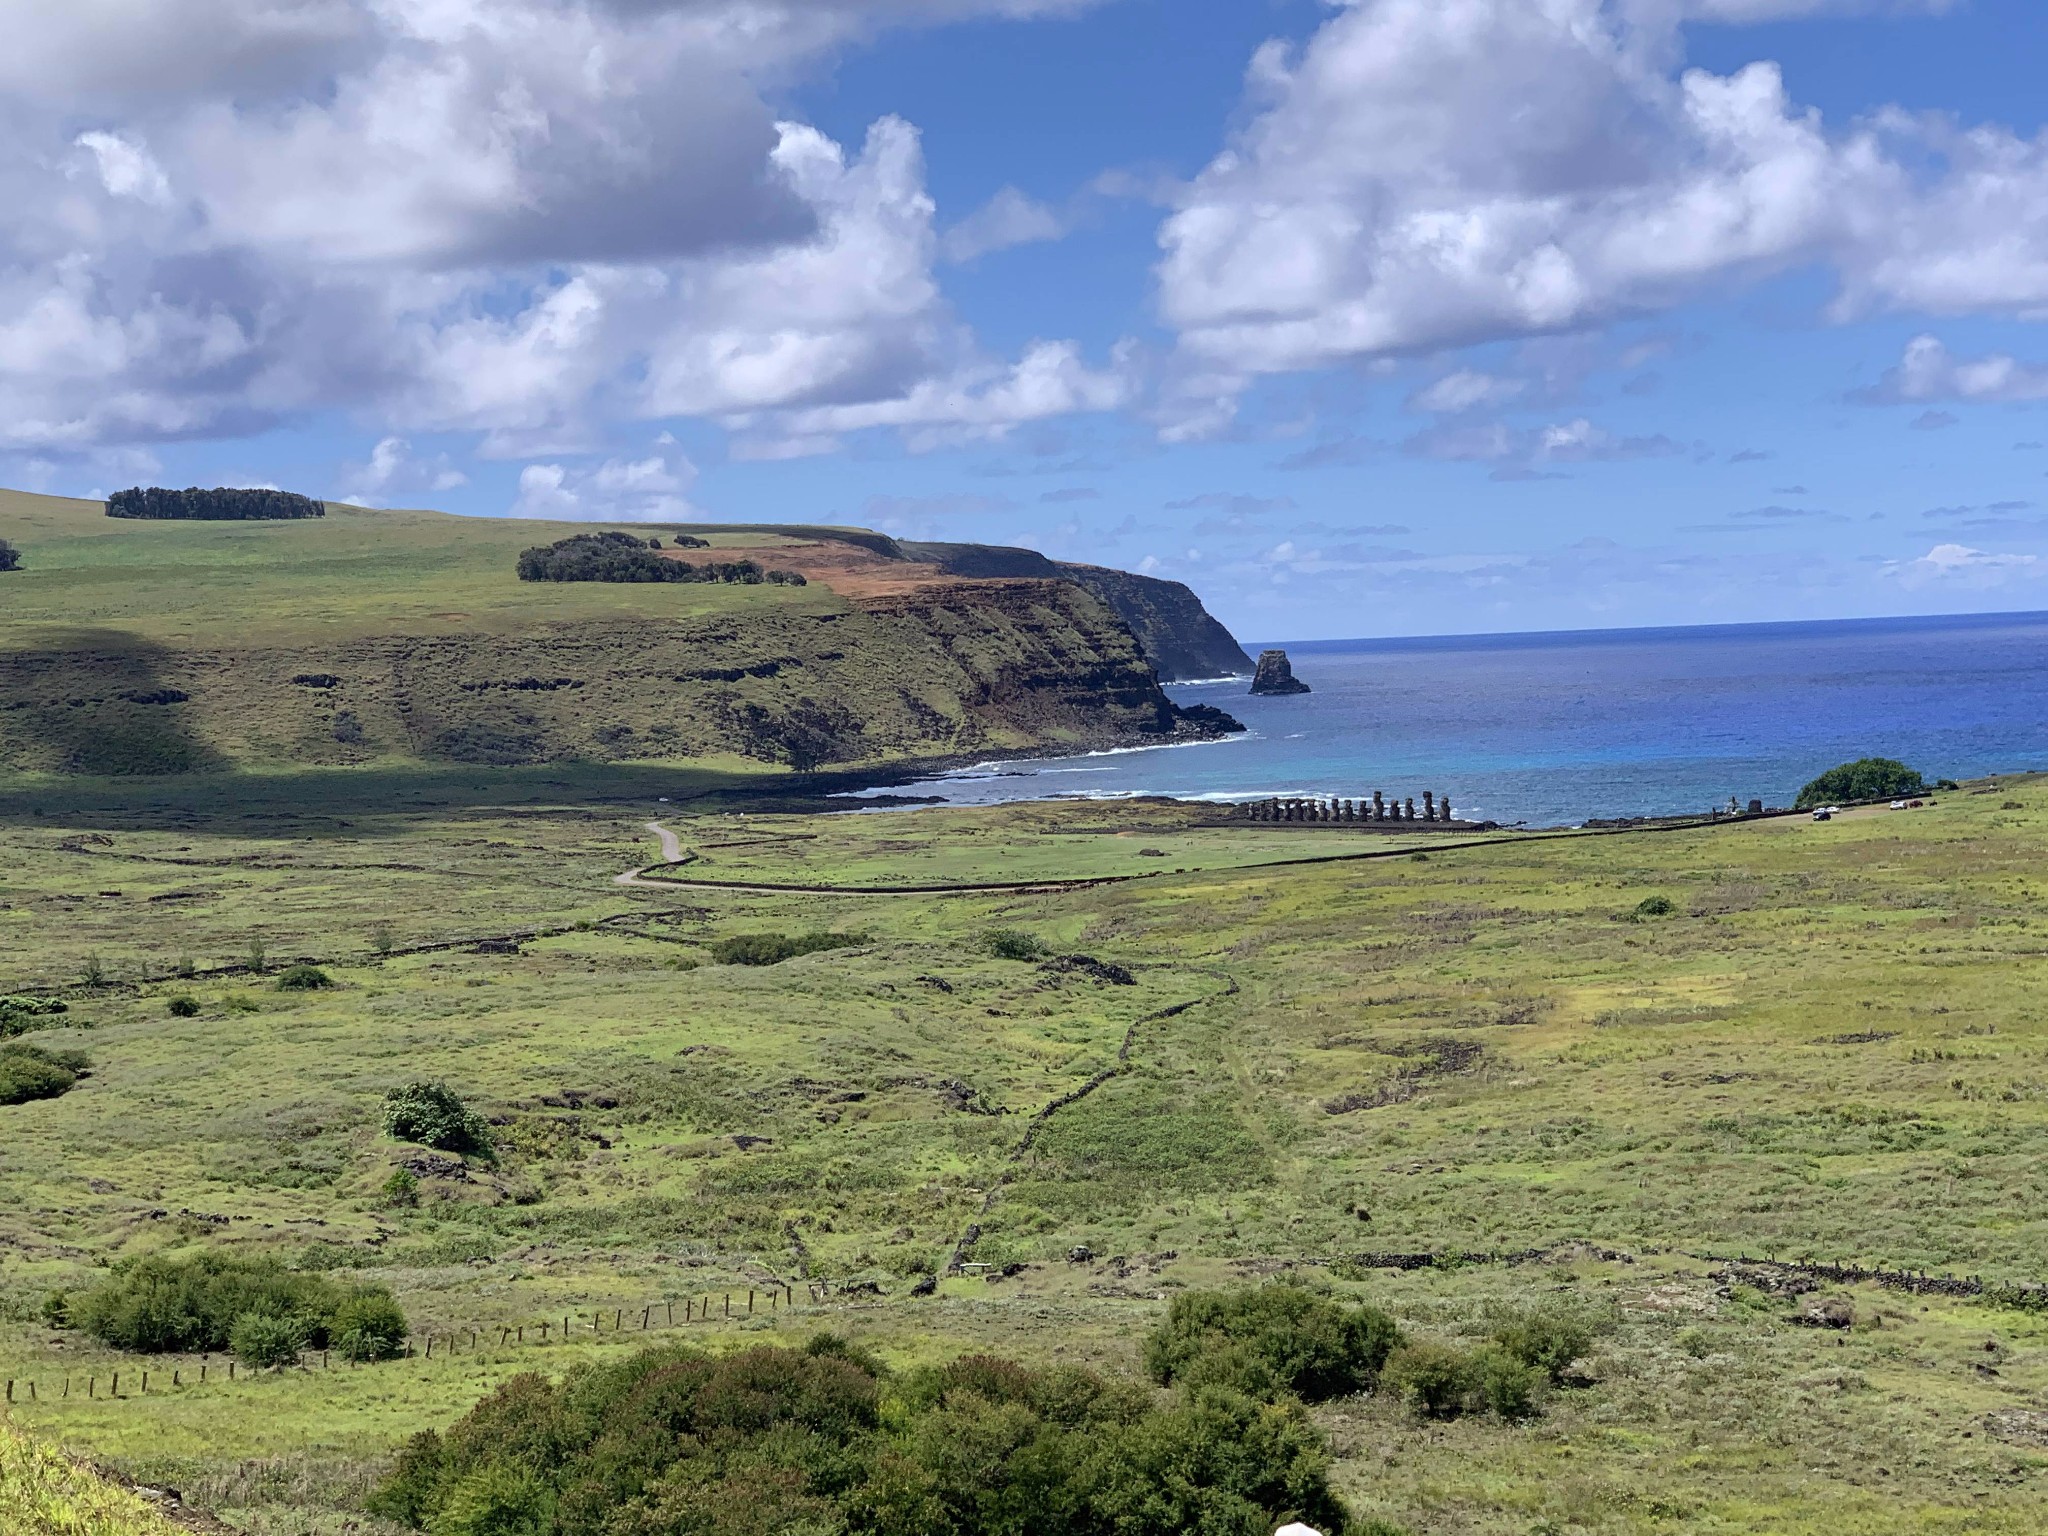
(1276, 676)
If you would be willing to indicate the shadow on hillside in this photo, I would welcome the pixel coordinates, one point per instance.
(99, 702)
(371, 802)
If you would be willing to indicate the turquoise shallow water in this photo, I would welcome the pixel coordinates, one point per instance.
(1553, 729)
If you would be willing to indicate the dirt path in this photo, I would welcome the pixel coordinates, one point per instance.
(671, 853)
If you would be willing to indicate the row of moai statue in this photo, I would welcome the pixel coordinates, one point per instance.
(1379, 808)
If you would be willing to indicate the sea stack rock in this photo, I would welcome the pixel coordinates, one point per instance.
(1275, 675)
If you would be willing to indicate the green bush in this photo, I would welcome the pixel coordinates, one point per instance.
(1548, 1338)
(261, 1339)
(29, 1072)
(431, 1114)
(817, 1441)
(303, 978)
(184, 1006)
(402, 1188)
(156, 1305)
(1505, 1385)
(1434, 1379)
(1012, 944)
(1656, 906)
(1869, 778)
(774, 948)
(368, 1325)
(20, 1013)
(1311, 1345)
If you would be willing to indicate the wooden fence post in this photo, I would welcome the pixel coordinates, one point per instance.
(115, 1390)
(728, 1303)
(750, 1301)
(671, 1311)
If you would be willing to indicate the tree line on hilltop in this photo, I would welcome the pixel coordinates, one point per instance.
(621, 557)
(221, 504)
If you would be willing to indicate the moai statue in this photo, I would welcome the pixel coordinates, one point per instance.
(1428, 806)
(1411, 809)
(1445, 802)
(1379, 807)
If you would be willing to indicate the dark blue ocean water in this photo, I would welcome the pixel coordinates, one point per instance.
(1552, 729)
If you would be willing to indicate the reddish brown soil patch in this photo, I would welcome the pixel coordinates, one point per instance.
(847, 569)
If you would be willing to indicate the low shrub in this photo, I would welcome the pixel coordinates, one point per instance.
(402, 1189)
(1505, 1385)
(29, 1072)
(20, 1013)
(431, 1114)
(183, 1006)
(303, 978)
(1432, 1378)
(1310, 1345)
(818, 1440)
(1656, 906)
(774, 948)
(157, 1304)
(1548, 1338)
(368, 1325)
(261, 1339)
(1012, 944)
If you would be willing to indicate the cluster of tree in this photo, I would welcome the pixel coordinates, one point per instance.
(774, 948)
(256, 1307)
(221, 504)
(431, 1114)
(622, 557)
(37, 1072)
(824, 1440)
(10, 557)
(1868, 778)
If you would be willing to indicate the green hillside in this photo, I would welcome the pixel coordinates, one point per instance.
(1459, 1086)
(369, 637)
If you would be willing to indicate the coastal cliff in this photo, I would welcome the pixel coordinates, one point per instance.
(373, 638)
(1181, 638)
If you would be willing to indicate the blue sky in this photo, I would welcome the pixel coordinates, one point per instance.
(1393, 317)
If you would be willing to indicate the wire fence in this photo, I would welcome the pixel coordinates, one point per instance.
(156, 1380)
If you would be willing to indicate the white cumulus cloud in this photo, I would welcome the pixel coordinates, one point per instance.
(1425, 174)
(1929, 371)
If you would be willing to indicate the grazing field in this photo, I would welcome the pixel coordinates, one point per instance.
(1593, 1069)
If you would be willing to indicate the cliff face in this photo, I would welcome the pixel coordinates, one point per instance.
(956, 668)
(1184, 640)
(1180, 637)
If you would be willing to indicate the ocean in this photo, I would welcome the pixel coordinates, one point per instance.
(1555, 729)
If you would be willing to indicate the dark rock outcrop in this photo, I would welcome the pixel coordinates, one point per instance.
(1275, 676)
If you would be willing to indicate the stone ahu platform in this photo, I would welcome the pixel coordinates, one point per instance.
(1435, 812)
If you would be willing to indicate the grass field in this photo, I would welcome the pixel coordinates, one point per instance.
(1831, 1045)
(356, 570)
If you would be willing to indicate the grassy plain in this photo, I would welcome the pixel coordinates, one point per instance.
(357, 570)
(1833, 1046)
